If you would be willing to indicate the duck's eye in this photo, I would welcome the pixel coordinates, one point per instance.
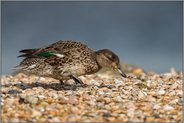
(110, 57)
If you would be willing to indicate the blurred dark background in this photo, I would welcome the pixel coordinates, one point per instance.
(146, 34)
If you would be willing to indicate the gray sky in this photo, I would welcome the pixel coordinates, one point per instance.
(146, 34)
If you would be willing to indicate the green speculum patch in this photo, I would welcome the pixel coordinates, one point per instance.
(45, 54)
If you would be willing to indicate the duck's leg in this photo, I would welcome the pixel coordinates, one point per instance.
(61, 82)
(77, 80)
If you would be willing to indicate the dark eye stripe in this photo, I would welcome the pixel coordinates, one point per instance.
(110, 58)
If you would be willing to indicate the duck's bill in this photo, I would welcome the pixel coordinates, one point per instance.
(121, 72)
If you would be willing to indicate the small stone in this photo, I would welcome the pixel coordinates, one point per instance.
(141, 95)
(62, 101)
(117, 99)
(168, 107)
(174, 86)
(72, 100)
(56, 119)
(36, 114)
(107, 100)
(23, 86)
(86, 96)
(41, 96)
(175, 101)
(150, 119)
(142, 85)
(14, 92)
(111, 119)
(123, 117)
(100, 92)
(96, 83)
(156, 107)
(138, 71)
(161, 92)
(118, 82)
(110, 86)
(106, 114)
(29, 99)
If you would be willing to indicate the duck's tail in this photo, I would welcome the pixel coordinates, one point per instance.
(27, 52)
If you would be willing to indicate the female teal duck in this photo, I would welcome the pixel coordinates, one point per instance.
(68, 59)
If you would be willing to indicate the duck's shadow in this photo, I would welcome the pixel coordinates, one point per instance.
(54, 86)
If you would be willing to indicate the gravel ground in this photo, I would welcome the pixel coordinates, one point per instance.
(142, 97)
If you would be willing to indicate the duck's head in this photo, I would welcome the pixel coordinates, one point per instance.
(106, 58)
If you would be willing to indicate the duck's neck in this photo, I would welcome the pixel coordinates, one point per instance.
(99, 59)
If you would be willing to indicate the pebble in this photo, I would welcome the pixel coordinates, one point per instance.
(36, 114)
(111, 86)
(168, 107)
(72, 100)
(141, 95)
(14, 92)
(156, 106)
(117, 99)
(174, 86)
(107, 100)
(23, 86)
(118, 82)
(138, 71)
(41, 96)
(29, 99)
(161, 92)
(85, 96)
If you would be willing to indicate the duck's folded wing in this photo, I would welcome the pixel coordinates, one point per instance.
(40, 53)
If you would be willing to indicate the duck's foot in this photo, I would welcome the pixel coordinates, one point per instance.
(78, 83)
(67, 86)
